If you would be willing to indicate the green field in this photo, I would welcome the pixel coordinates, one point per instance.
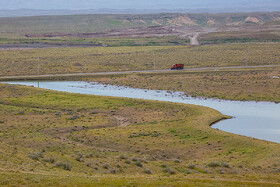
(47, 137)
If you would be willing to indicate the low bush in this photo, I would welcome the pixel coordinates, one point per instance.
(147, 171)
(213, 164)
(64, 165)
(35, 155)
(191, 166)
(49, 160)
(139, 164)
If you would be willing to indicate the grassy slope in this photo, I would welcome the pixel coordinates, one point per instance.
(101, 59)
(47, 136)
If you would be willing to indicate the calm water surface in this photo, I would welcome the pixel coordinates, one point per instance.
(254, 119)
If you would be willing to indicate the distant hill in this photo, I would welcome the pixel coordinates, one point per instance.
(100, 23)
(18, 8)
(269, 7)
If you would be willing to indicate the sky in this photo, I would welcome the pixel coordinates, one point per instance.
(131, 4)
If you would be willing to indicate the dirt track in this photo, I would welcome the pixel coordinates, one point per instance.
(194, 40)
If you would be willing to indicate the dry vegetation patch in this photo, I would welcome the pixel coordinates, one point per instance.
(108, 59)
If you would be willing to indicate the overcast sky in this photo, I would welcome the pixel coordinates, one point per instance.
(132, 4)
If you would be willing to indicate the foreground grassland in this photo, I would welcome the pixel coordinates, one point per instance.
(106, 59)
(255, 84)
(55, 138)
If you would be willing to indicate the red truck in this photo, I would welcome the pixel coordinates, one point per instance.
(177, 66)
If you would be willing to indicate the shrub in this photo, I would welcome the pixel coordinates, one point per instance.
(139, 164)
(21, 113)
(74, 117)
(143, 160)
(166, 170)
(123, 157)
(226, 165)
(221, 171)
(177, 161)
(89, 155)
(35, 155)
(79, 158)
(147, 171)
(187, 172)
(163, 166)
(172, 172)
(113, 171)
(88, 164)
(64, 165)
(119, 166)
(49, 160)
(213, 164)
(77, 64)
(128, 162)
(191, 166)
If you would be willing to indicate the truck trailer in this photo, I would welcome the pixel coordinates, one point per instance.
(177, 66)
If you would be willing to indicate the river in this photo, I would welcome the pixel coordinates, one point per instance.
(259, 120)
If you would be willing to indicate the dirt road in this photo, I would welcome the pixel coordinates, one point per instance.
(193, 39)
(10, 78)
